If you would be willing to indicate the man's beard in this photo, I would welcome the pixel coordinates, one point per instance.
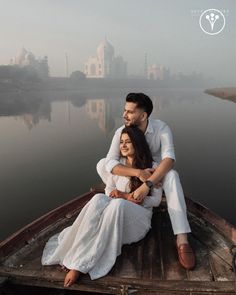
(134, 124)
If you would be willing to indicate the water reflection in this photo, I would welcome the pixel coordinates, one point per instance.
(43, 112)
(100, 110)
(78, 100)
(31, 108)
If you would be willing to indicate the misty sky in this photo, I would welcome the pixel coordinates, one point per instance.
(167, 30)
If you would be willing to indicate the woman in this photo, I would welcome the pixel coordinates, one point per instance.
(108, 220)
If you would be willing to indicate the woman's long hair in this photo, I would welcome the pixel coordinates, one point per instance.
(142, 154)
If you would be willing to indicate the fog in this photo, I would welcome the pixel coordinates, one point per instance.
(168, 31)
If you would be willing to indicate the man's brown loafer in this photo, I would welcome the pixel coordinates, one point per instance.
(186, 256)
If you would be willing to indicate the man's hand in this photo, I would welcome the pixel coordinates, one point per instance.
(140, 193)
(144, 174)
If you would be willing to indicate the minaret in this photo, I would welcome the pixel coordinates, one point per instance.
(68, 110)
(145, 66)
(67, 66)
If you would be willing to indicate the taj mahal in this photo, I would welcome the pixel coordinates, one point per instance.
(25, 58)
(105, 64)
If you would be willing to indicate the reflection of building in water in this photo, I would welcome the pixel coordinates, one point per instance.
(68, 111)
(105, 64)
(29, 120)
(100, 110)
(158, 73)
(27, 58)
(32, 119)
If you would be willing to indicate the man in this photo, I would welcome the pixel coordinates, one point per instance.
(138, 108)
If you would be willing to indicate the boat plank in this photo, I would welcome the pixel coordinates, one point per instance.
(151, 255)
(202, 270)
(141, 259)
(33, 249)
(214, 293)
(129, 263)
(157, 262)
(158, 223)
(222, 225)
(147, 255)
(171, 265)
(48, 279)
(221, 271)
(215, 242)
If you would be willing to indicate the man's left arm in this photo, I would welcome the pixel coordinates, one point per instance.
(166, 164)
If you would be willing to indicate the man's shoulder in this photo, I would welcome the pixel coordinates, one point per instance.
(157, 124)
(118, 131)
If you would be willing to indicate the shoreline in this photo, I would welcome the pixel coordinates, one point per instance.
(65, 84)
(228, 93)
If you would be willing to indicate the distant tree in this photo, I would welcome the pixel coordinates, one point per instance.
(5, 72)
(77, 75)
(17, 73)
(30, 74)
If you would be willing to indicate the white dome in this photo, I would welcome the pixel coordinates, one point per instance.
(29, 56)
(24, 57)
(21, 54)
(105, 48)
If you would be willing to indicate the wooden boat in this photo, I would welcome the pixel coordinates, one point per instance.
(148, 267)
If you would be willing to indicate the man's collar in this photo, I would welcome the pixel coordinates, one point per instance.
(149, 127)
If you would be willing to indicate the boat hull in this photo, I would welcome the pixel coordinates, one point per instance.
(151, 265)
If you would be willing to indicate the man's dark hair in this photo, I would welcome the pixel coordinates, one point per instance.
(142, 154)
(142, 100)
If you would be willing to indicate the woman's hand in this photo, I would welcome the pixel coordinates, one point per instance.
(116, 194)
(140, 193)
(130, 197)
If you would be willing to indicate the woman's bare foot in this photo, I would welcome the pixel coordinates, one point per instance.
(71, 277)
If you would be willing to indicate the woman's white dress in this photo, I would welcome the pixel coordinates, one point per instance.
(95, 239)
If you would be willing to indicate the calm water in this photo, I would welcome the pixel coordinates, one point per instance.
(50, 144)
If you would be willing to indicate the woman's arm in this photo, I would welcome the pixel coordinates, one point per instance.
(115, 194)
(110, 185)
